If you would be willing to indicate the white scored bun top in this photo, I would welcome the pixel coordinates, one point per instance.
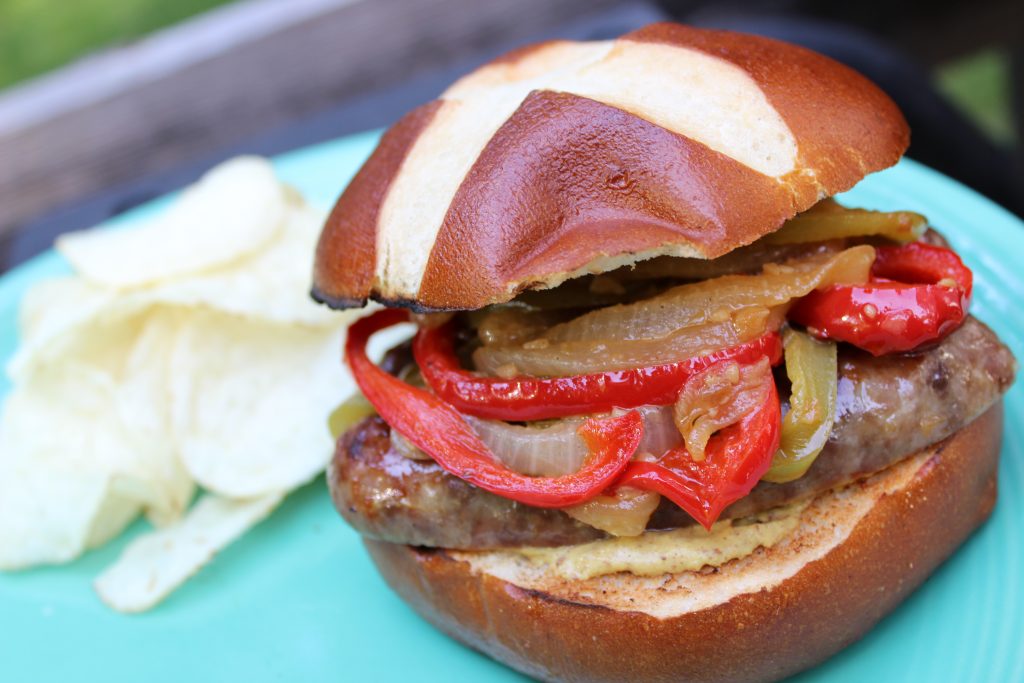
(567, 158)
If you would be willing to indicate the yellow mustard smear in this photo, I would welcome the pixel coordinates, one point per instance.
(668, 552)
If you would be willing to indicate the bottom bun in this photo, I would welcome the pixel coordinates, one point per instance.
(856, 554)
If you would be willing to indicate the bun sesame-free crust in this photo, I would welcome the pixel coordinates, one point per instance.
(857, 553)
(566, 158)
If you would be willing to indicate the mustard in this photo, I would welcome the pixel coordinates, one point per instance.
(668, 552)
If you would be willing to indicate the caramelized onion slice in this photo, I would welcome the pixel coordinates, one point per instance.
(625, 512)
(823, 228)
(505, 325)
(585, 292)
(540, 450)
(542, 358)
(829, 220)
(745, 260)
(701, 302)
(405, 448)
(554, 449)
(717, 397)
(660, 432)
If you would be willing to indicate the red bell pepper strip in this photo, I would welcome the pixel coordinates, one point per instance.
(920, 262)
(919, 293)
(438, 429)
(734, 461)
(532, 398)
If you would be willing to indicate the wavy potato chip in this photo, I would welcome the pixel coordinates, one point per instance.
(184, 352)
(143, 403)
(154, 564)
(70, 475)
(271, 284)
(250, 400)
(96, 416)
(50, 515)
(52, 307)
(51, 316)
(233, 210)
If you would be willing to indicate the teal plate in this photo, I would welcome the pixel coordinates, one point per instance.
(297, 598)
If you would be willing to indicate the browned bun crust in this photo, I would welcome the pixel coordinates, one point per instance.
(566, 158)
(914, 516)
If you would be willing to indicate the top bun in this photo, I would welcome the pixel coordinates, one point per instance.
(566, 158)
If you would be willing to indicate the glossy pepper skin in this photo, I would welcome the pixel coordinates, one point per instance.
(439, 430)
(918, 294)
(812, 367)
(734, 461)
(532, 398)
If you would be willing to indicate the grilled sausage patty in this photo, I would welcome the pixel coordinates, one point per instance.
(887, 409)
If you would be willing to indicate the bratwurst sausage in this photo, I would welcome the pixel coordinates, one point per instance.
(887, 409)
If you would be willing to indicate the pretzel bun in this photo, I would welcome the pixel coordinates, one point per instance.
(566, 158)
(856, 554)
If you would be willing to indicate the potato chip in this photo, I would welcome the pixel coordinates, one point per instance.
(250, 400)
(154, 564)
(143, 405)
(52, 307)
(184, 352)
(50, 515)
(51, 313)
(272, 283)
(85, 437)
(234, 210)
(61, 447)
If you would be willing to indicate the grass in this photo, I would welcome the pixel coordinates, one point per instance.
(39, 35)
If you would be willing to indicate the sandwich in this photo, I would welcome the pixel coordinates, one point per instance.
(671, 411)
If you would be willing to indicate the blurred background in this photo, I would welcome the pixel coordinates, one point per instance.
(107, 103)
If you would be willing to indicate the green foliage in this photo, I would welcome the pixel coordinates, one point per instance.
(39, 35)
(979, 85)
